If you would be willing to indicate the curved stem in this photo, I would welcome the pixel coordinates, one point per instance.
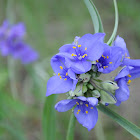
(70, 132)
(116, 24)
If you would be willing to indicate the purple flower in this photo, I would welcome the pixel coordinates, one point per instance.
(123, 80)
(84, 50)
(64, 80)
(111, 58)
(12, 43)
(85, 110)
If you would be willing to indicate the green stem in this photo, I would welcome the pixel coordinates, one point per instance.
(70, 132)
(130, 127)
(12, 77)
(99, 129)
(116, 24)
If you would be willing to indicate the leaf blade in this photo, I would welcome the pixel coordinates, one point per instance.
(129, 126)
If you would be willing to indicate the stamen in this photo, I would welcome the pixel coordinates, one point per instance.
(127, 57)
(86, 105)
(129, 75)
(66, 74)
(85, 48)
(58, 74)
(61, 67)
(78, 111)
(91, 107)
(84, 55)
(73, 54)
(110, 62)
(104, 67)
(77, 103)
(86, 112)
(65, 79)
(103, 56)
(97, 61)
(79, 46)
(129, 81)
(107, 57)
(74, 47)
(60, 77)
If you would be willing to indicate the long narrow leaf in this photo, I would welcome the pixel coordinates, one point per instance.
(116, 24)
(130, 127)
(49, 118)
(101, 29)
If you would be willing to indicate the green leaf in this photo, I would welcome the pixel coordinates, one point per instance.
(70, 133)
(49, 118)
(97, 22)
(129, 126)
(110, 41)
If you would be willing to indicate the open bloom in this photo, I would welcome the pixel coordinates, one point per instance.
(11, 43)
(84, 50)
(85, 110)
(112, 57)
(123, 80)
(64, 80)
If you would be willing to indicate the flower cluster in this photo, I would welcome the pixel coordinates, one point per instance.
(12, 43)
(78, 67)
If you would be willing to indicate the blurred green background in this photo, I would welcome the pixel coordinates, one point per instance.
(50, 24)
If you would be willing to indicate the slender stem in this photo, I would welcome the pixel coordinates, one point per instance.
(12, 77)
(70, 132)
(130, 127)
(116, 24)
(99, 129)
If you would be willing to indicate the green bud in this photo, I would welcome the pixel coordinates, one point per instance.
(107, 97)
(95, 93)
(85, 77)
(109, 86)
(84, 89)
(78, 91)
(90, 86)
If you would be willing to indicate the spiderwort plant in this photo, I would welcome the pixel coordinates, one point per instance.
(12, 43)
(78, 67)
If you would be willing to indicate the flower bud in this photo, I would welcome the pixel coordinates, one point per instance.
(84, 89)
(78, 91)
(85, 77)
(107, 97)
(95, 93)
(90, 86)
(109, 86)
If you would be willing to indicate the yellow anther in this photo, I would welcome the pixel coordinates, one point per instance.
(91, 107)
(65, 79)
(79, 46)
(86, 112)
(129, 81)
(78, 111)
(58, 74)
(104, 67)
(86, 105)
(107, 57)
(84, 55)
(97, 61)
(66, 74)
(103, 56)
(127, 57)
(129, 75)
(61, 67)
(73, 54)
(60, 77)
(85, 48)
(110, 62)
(74, 47)
(77, 103)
